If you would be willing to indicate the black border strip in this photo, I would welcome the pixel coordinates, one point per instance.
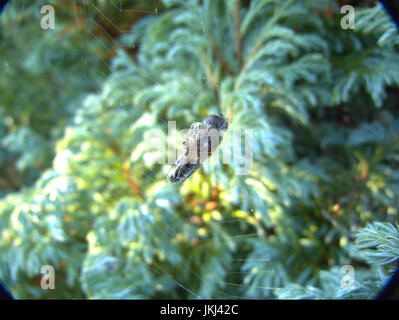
(3, 5)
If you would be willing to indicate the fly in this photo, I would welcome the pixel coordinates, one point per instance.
(202, 140)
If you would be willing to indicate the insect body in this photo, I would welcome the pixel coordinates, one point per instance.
(202, 140)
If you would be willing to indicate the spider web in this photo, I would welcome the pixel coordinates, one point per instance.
(82, 8)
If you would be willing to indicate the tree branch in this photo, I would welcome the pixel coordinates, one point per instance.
(132, 185)
(335, 223)
(218, 53)
(126, 172)
(238, 34)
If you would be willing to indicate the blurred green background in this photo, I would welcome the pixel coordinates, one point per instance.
(80, 187)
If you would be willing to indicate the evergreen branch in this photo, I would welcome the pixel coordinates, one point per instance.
(274, 69)
(132, 185)
(279, 13)
(238, 33)
(335, 223)
(379, 242)
(126, 172)
(211, 77)
(218, 53)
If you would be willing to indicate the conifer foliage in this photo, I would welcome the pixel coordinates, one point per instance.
(92, 200)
